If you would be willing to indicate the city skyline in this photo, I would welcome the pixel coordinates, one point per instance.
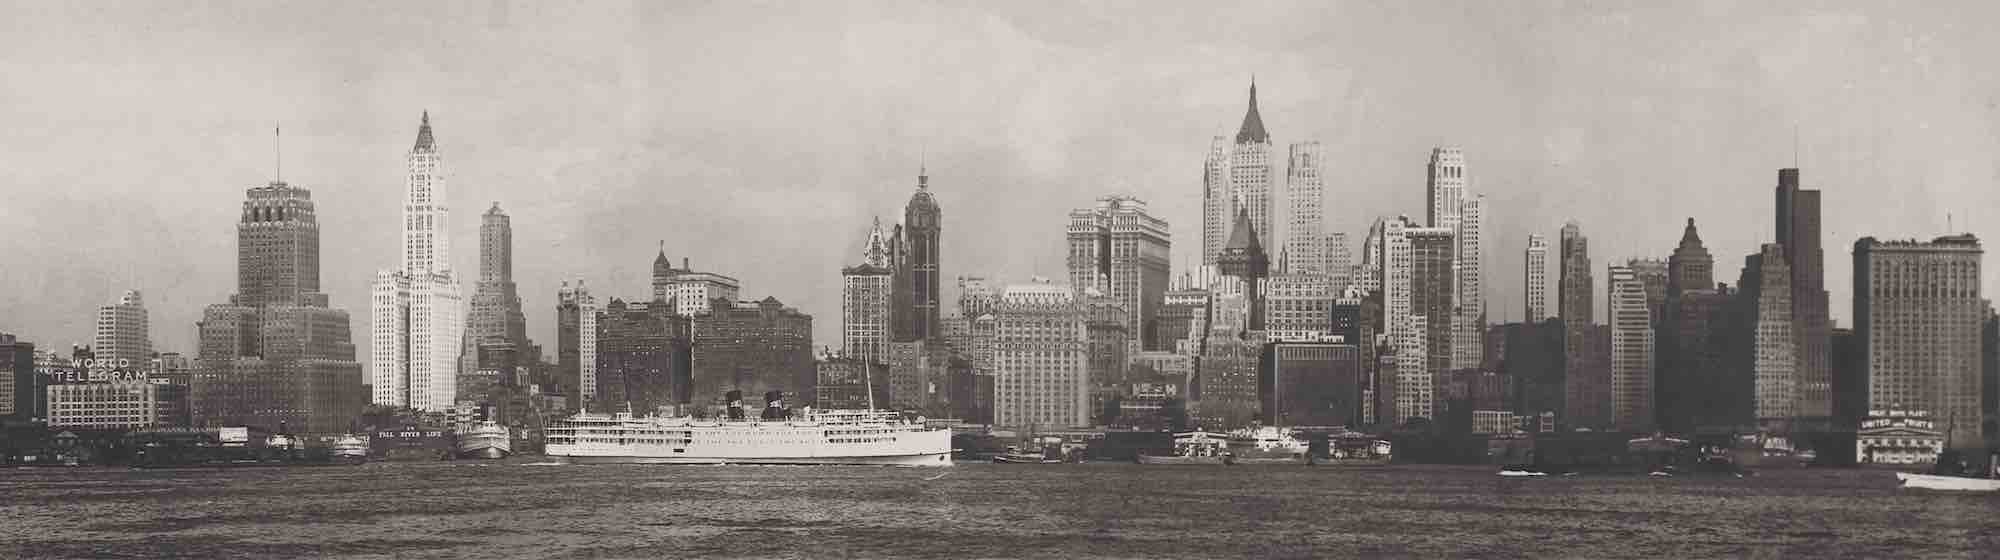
(585, 180)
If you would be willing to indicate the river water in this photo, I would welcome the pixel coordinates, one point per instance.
(516, 510)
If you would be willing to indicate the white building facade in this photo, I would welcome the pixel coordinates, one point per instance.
(1040, 359)
(418, 312)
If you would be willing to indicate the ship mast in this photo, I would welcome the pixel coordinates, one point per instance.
(867, 383)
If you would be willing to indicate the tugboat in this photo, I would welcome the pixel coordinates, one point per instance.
(488, 440)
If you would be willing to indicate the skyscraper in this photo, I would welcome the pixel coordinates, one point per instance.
(1040, 367)
(1243, 258)
(1771, 360)
(923, 223)
(1123, 251)
(1689, 353)
(1574, 286)
(1340, 260)
(864, 302)
(576, 343)
(122, 331)
(1305, 250)
(1690, 267)
(1217, 202)
(644, 358)
(1431, 292)
(496, 302)
(1297, 306)
(1652, 274)
(1444, 191)
(1468, 323)
(276, 356)
(1536, 275)
(418, 313)
(1917, 314)
(1250, 174)
(1631, 351)
(1799, 234)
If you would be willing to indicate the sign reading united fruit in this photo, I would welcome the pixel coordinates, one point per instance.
(98, 371)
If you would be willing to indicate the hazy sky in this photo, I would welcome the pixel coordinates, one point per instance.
(759, 139)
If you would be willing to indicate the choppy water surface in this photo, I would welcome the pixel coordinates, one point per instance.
(457, 510)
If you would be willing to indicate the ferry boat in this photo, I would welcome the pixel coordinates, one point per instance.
(350, 449)
(488, 440)
(1192, 448)
(831, 437)
(1354, 449)
(1267, 445)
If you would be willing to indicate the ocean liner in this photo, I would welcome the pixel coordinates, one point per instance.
(831, 437)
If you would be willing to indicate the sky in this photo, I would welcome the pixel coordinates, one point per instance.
(759, 139)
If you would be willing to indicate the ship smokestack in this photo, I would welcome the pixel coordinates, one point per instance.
(774, 405)
(735, 399)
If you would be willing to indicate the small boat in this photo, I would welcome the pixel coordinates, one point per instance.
(1015, 455)
(1354, 449)
(1660, 474)
(1514, 474)
(1951, 483)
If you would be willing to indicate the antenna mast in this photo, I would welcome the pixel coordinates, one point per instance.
(278, 152)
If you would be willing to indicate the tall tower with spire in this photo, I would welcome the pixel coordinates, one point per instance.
(922, 222)
(1250, 172)
(418, 313)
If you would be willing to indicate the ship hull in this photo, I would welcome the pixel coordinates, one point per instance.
(483, 452)
(1175, 460)
(1948, 483)
(916, 460)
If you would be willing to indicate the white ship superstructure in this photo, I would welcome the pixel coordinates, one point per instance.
(834, 437)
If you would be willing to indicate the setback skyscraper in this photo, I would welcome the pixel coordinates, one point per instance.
(1574, 286)
(122, 331)
(1631, 351)
(275, 356)
(1799, 233)
(496, 302)
(1121, 250)
(418, 313)
(1769, 361)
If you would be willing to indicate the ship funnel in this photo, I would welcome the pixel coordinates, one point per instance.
(774, 405)
(735, 400)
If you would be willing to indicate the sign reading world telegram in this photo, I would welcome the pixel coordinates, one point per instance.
(98, 371)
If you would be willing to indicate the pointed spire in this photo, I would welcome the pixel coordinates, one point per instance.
(424, 141)
(1252, 131)
(1689, 238)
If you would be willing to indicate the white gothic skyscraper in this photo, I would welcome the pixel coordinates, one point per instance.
(1305, 248)
(418, 313)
